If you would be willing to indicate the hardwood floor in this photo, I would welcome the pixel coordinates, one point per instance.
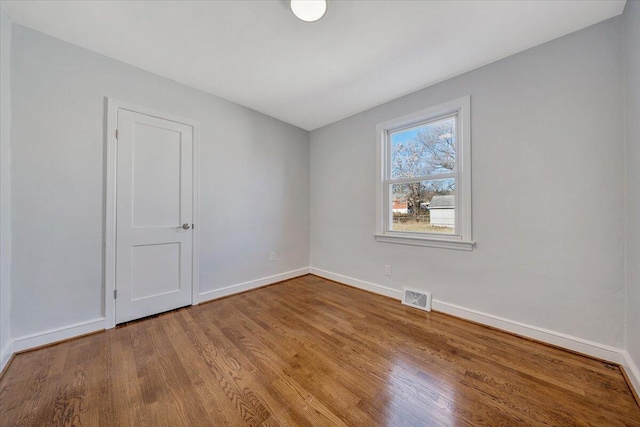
(310, 352)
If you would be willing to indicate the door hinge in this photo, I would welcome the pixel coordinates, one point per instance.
(115, 293)
(117, 133)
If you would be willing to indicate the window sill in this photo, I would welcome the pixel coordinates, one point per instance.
(461, 245)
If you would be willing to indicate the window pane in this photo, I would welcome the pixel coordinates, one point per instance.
(424, 149)
(424, 206)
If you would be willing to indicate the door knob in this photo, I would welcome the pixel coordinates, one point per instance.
(186, 226)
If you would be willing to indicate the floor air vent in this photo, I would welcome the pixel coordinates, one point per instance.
(417, 299)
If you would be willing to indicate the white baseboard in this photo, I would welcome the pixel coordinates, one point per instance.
(559, 339)
(632, 371)
(253, 284)
(30, 341)
(51, 336)
(5, 354)
(367, 286)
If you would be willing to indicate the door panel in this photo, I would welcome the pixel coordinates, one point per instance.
(156, 176)
(156, 270)
(154, 187)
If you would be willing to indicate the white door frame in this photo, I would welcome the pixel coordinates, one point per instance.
(113, 106)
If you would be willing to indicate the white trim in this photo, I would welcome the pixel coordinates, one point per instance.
(110, 214)
(110, 202)
(590, 348)
(569, 342)
(5, 197)
(253, 284)
(463, 239)
(432, 242)
(51, 336)
(632, 371)
(367, 286)
(195, 260)
(5, 355)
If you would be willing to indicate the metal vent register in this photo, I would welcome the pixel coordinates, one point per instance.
(417, 299)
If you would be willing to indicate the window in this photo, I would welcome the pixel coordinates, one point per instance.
(424, 178)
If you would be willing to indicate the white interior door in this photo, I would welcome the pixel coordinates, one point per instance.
(154, 214)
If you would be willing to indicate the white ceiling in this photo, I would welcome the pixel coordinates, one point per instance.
(361, 54)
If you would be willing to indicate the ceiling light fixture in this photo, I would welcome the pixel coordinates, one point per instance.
(309, 10)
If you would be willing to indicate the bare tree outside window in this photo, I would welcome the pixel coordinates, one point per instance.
(424, 152)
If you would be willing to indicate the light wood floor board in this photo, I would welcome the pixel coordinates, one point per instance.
(310, 352)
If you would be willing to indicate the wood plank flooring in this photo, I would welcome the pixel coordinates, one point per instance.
(310, 352)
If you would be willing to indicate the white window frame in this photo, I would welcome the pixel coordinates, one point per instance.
(462, 240)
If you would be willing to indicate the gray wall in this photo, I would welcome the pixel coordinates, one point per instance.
(548, 191)
(548, 176)
(632, 90)
(254, 181)
(5, 179)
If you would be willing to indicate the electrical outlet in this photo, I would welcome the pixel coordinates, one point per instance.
(387, 270)
(272, 257)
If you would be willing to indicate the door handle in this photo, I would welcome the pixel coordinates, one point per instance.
(185, 226)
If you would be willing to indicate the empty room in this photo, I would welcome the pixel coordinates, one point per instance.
(320, 213)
